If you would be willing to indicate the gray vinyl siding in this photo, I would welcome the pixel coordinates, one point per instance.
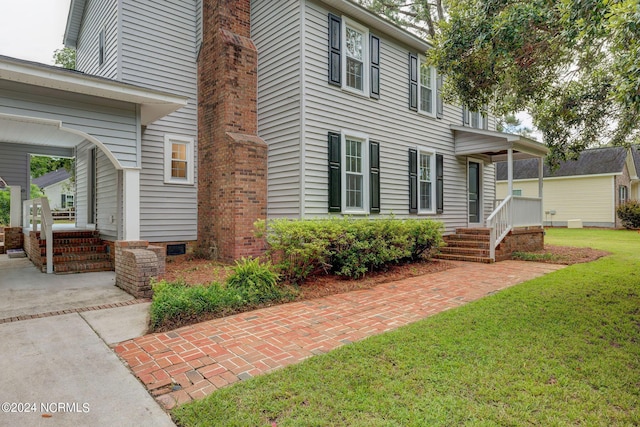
(14, 161)
(276, 32)
(99, 15)
(82, 161)
(113, 123)
(106, 197)
(158, 51)
(387, 121)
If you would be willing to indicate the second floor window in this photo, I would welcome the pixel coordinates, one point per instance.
(427, 89)
(354, 52)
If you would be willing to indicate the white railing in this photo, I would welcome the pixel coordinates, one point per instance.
(514, 211)
(36, 212)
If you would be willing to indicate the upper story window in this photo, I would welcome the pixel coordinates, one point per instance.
(354, 57)
(427, 90)
(101, 47)
(474, 119)
(179, 164)
(425, 87)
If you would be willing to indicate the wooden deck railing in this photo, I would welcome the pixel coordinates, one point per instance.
(514, 211)
(36, 215)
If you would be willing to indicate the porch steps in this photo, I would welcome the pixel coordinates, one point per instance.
(77, 252)
(467, 244)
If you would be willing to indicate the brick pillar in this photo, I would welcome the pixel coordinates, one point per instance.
(232, 159)
(136, 263)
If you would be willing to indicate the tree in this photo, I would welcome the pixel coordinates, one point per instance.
(41, 165)
(65, 57)
(418, 16)
(573, 65)
(511, 124)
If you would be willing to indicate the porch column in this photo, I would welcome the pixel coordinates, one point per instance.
(510, 171)
(15, 209)
(131, 204)
(540, 176)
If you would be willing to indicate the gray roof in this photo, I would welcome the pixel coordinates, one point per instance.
(606, 160)
(51, 178)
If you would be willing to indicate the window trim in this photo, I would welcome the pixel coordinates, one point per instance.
(432, 154)
(366, 189)
(434, 84)
(366, 60)
(169, 140)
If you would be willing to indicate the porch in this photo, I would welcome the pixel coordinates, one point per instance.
(516, 223)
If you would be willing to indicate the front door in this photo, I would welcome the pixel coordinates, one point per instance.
(474, 192)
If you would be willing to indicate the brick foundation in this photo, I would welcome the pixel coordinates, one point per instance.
(232, 159)
(136, 263)
(32, 249)
(521, 240)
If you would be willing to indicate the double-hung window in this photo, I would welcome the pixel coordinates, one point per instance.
(354, 173)
(179, 163)
(427, 90)
(354, 57)
(426, 169)
(474, 119)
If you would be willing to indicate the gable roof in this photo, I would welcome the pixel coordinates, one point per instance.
(51, 178)
(596, 161)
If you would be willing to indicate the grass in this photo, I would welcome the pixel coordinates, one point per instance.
(528, 256)
(563, 349)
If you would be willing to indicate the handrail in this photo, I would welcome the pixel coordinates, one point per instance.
(500, 222)
(40, 212)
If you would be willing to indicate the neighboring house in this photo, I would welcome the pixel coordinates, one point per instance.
(589, 188)
(187, 129)
(56, 185)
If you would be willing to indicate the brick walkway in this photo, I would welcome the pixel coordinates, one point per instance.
(194, 361)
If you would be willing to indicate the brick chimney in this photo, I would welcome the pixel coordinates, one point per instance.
(232, 159)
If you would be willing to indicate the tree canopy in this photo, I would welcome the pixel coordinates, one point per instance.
(573, 65)
(65, 57)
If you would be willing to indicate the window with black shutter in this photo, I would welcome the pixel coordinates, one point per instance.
(335, 174)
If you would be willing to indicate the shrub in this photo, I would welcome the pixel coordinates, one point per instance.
(256, 282)
(629, 214)
(347, 246)
(176, 303)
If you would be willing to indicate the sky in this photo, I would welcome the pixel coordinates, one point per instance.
(32, 29)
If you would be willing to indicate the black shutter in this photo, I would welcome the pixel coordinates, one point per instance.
(439, 183)
(374, 176)
(375, 66)
(413, 82)
(413, 180)
(335, 185)
(335, 66)
(465, 115)
(439, 102)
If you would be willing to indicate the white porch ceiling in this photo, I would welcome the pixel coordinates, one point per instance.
(493, 146)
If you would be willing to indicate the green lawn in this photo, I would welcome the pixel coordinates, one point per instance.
(563, 349)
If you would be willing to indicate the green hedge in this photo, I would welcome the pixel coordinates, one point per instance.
(629, 214)
(346, 246)
(250, 285)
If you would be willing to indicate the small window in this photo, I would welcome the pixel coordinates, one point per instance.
(623, 194)
(474, 119)
(66, 201)
(101, 48)
(517, 192)
(179, 164)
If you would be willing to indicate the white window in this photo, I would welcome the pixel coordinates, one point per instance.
(355, 68)
(426, 186)
(517, 192)
(427, 92)
(355, 173)
(475, 119)
(623, 194)
(178, 160)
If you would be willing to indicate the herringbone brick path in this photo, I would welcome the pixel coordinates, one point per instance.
(193, 361)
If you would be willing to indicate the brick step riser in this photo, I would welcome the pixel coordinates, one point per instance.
(83, 267)
(466, 251)
(78, 258)
(72, 242)
(57, 250)
(476, 231)
(72, 234)
(467, 244)
(467, 258)
(467, 237)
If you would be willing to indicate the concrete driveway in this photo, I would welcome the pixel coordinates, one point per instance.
(59, 370)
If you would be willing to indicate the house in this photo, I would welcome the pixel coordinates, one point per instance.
(57, 186)
(189, 120)
(588, 189)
